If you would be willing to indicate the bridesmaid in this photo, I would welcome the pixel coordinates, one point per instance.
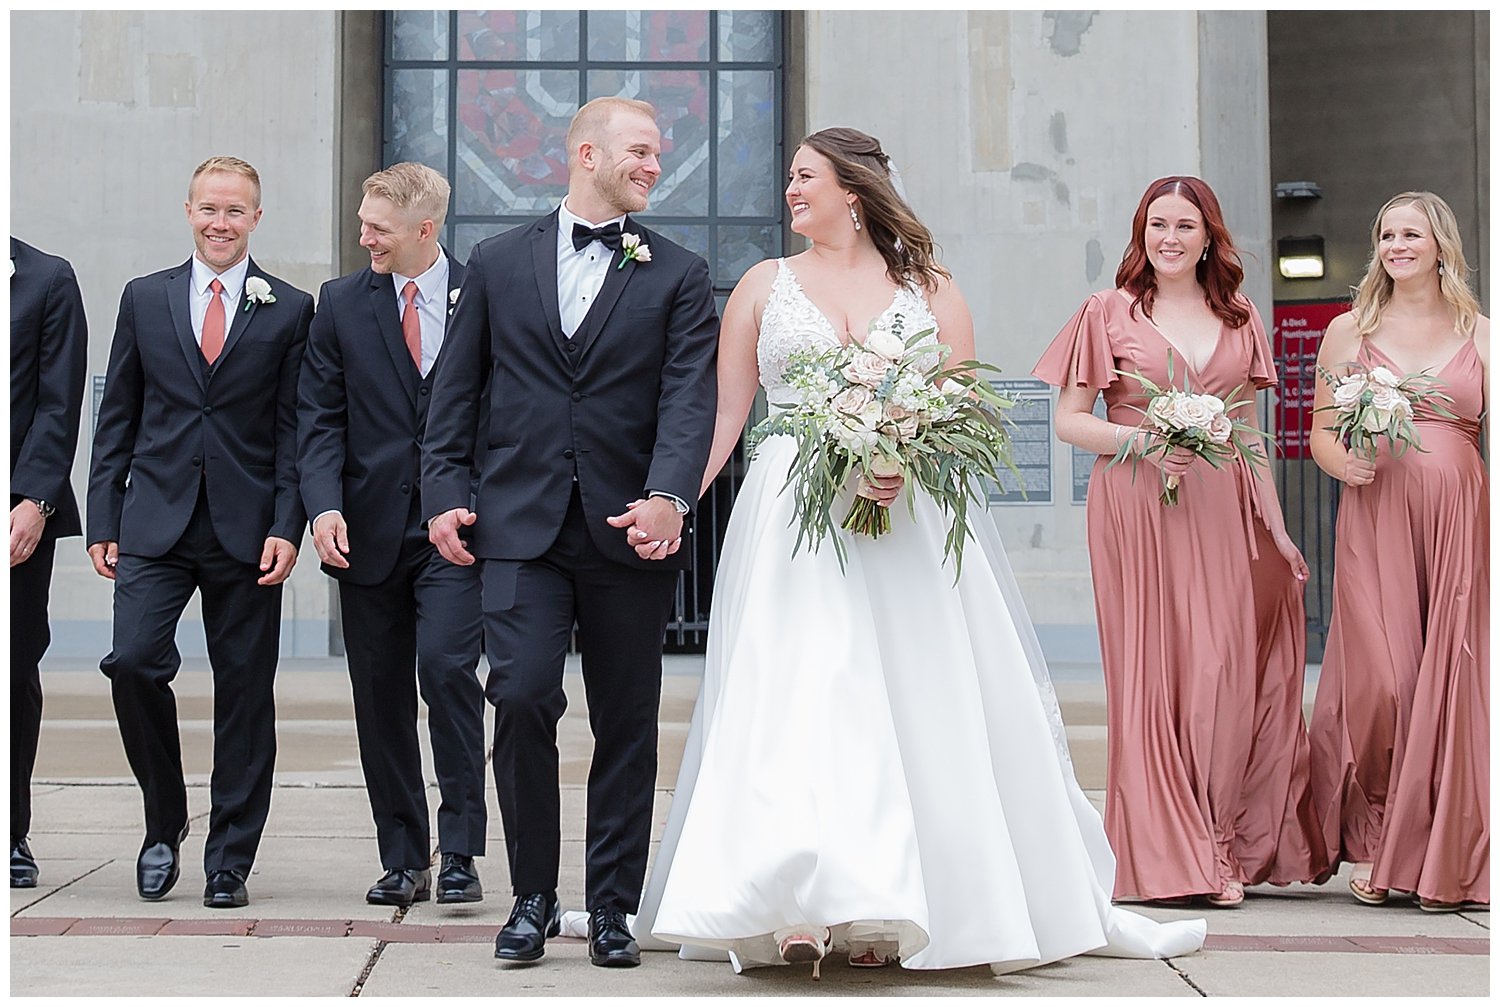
(1401, 723)
(1207, 786)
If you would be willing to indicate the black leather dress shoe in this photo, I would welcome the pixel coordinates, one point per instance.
(22, 866)
(225, 890)
(400, 888)
(610, 942)
(458, 881)
(524, 936)
(157, 867)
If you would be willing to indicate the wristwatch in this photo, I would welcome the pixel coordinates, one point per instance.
(46, 509)
(677, 505)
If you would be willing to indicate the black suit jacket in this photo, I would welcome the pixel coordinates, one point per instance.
(626, 406)
(169, 421)
(362, 409)
(49, 347)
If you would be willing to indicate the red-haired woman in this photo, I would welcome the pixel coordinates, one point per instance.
(1401, 726)
(1199, 606)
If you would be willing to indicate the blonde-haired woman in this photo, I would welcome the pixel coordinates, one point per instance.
(1400, 726)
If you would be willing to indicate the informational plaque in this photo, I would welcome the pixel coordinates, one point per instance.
(1296, 334)
(1031, 438)
(1083, 461)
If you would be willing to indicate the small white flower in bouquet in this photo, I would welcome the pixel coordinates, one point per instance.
(884, 408)
(1202, 423)
(1372, 402)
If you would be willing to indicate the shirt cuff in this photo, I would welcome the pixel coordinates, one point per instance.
(677, 502)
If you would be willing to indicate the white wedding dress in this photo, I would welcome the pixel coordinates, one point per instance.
(877, 750)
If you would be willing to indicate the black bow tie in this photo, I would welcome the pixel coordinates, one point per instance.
(609, 234)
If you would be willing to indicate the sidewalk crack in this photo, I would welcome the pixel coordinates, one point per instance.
(65, 884)
(1184, 977)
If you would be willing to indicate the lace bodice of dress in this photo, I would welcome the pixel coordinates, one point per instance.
(791, 322)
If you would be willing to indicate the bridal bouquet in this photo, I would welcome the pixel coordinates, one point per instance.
(1200, 422)
(1369, 402)
(884, 408)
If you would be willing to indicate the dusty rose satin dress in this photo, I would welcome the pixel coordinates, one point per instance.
(1202, 632)
(1400, 727)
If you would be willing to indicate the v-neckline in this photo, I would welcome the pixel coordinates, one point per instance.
(1403, 373)
(1197, 371)
(823, 316)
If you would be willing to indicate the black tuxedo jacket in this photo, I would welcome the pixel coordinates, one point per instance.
(363, 406)
(169, 421)
(625, 407)
(49, 348)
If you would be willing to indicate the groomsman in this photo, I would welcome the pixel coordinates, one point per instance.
(194, 487)
(365, 391)
(48, 360)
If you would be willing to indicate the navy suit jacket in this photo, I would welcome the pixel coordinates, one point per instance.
(168, 421)
(625, 407)
(49, 347)
(362, 410)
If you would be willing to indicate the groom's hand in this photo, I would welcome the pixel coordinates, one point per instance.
(442, 531)
(653, 528)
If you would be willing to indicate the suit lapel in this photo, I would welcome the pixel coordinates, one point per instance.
(180, 307)
(244, 314)
(614, 285)
(388, 321)
(544, 263)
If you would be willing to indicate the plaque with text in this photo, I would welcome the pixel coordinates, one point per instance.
(1031, 440)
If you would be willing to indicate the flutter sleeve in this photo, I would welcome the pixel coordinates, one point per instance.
(1081, 355)
(1262, 364)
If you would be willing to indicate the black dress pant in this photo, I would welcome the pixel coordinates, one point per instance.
(242, 623)
(529, 612)
(30, 586)
(427, 614)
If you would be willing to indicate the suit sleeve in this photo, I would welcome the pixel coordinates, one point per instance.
(290, 519)
(115, 431)
(689, 390)
(322, 413)
(451, 446)
(45, 463)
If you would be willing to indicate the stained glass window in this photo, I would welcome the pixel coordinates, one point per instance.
(486, 97)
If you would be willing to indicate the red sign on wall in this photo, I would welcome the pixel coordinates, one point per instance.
(1296, 333)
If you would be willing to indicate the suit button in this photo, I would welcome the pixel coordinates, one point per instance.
(405, 488)
(577, 396)
(208, 410)
(571, 347)
(425, 389)
(197, 460)
(568, 453)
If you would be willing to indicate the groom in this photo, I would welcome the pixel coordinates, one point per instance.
(593, 340)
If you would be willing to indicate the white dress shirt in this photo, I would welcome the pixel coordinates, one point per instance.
(432, 307)
(580, 272)
(233, 281)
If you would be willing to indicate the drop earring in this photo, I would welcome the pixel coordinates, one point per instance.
(854, 217)
(1204, 256)
(1440, 263)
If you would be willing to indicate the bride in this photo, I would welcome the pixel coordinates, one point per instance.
(876, 765)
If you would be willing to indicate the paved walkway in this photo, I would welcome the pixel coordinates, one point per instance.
(307, 930)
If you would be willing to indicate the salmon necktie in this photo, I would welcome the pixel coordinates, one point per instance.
(411, 324)
(213, 323)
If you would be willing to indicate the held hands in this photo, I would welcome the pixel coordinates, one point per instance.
(1358, 470)
(277, 558)
(442, 531)
(331, 539)
(653, 528)
(26, 524)
(106, 556)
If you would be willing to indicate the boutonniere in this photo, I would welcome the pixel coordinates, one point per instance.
(257, 291)
(453, 298)
(631, 247)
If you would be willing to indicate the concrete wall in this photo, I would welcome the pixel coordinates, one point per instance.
(110, 113)
(1371, 103)
(1026, 140)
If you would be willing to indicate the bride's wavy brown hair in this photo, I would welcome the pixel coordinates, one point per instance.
(863, 168)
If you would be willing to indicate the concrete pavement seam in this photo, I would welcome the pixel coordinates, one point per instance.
(398, 916)
(65, 884)
(1184, 977)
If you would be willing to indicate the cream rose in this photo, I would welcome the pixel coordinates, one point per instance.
(852, 401)
(884, 343)
(1347, 392)
(1376, 420)
(867, 369)
(1385, 398)
(1220, 430)
(1193, 413)
(1382, 376)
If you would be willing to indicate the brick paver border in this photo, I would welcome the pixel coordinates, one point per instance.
(413, 933)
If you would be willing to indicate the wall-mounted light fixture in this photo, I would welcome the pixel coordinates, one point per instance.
(1300, 258)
